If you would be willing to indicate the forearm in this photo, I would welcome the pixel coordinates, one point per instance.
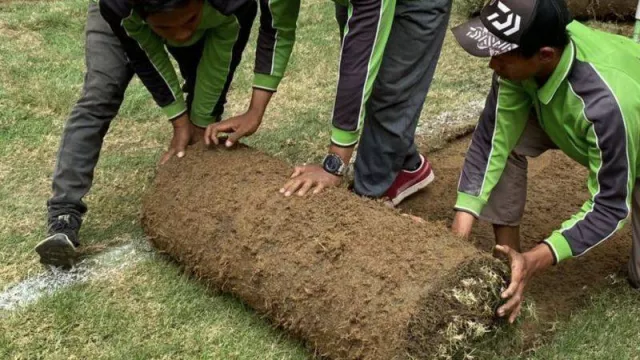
(540, 257)
(499, 129)
(462, 224)
(345, 153)
(259, 101)
(611, 182)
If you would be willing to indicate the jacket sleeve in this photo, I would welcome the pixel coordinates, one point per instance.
(501, 124)
(147, 55)
(276, 37)
(365, 38)
(612, 149)
(214, 69)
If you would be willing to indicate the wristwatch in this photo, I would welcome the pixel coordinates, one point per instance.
(334, 165)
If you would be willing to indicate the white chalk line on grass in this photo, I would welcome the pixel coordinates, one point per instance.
(49, 282)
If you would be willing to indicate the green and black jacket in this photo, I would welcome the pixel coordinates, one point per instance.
(590, 108)
(365, 39)
(220, 26)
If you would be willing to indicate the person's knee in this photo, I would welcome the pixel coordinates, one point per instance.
(102, 96)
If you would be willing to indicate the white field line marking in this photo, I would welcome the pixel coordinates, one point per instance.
(47, 283)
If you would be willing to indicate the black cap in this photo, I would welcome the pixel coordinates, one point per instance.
(505, 25)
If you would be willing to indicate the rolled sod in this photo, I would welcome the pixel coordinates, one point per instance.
(603, 9)
(580, 9)
(353, 278)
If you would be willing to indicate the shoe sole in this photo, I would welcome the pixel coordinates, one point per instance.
(413, 189)
(57, 250)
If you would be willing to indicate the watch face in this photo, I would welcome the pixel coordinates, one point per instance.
(332, 164)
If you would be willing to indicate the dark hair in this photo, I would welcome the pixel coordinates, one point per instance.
(149, 7)
(558, 41)
(548, 29)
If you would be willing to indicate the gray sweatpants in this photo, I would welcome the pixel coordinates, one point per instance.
(106, 79)
(393, 110)
(507, 201)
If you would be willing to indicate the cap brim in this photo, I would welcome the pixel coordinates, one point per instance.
(477, 40)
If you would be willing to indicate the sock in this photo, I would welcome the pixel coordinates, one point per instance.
(414, 166)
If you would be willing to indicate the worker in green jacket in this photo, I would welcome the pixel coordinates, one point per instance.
(557, 84)
(205, 40)
(205, 37)
(388, 56)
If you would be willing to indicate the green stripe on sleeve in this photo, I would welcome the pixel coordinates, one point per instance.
(284, 17)
(387, 13)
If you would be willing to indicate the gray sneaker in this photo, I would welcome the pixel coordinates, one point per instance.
(59, 248)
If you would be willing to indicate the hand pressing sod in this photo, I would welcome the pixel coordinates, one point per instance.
(523, 267)
(197, 134)
(243, 125)
(236, 127)
(306, 177)
(184, 133)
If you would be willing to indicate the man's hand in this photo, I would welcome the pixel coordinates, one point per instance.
(306, 177)
(182, 131)
(523, 267)
(242, 125)
(237, 127)
(197, 134)
(462, 224)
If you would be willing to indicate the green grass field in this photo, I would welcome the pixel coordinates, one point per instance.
(146, 308)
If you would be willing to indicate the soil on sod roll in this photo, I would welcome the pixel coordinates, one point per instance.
(580, 9)
(353, 278)
(556, 190)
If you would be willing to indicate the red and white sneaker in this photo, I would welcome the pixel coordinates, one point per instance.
(408, 183)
